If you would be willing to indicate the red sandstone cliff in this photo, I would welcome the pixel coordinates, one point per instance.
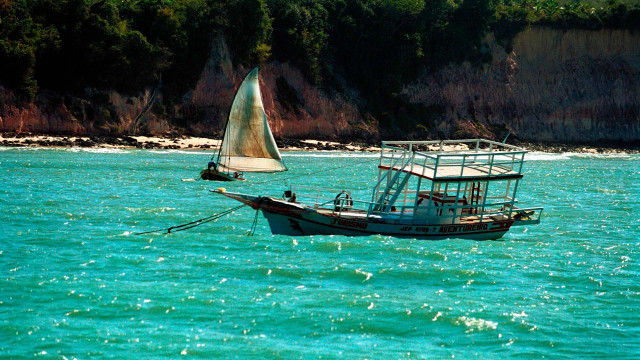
(315, 113)
(574, 85)
(51, 113)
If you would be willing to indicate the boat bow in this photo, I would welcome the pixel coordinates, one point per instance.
(251, 200)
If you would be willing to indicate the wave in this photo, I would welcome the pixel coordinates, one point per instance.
(539, 156)
(600, 156)
(23, 148)
(474, 324)
(70, 149)
(332, 155)
(177, 151)
(533, 156)
(97, 150)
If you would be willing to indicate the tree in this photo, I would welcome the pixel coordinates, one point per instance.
(248, 30)
(19, 37)
(299, 34)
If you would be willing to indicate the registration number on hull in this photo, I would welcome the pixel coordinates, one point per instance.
(446, 229)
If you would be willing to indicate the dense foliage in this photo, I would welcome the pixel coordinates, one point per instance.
(372, 45)
(125, 45)
(512, 16)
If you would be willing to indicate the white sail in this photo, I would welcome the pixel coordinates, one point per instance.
(248, 144)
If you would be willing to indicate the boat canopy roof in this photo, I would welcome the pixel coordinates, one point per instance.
(454, 160)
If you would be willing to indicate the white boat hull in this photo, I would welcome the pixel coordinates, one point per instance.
(296, 220)
(318, 224)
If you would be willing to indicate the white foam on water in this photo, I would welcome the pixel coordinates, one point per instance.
(478, 324)
(540, 156)
(70, 149)
(23, 148)
(366, 274)
(176, 151)
(599, 156)
(333, 155)
(97, 150)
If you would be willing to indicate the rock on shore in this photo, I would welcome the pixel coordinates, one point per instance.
(198, 143)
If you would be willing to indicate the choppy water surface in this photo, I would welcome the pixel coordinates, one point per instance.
(75, 282)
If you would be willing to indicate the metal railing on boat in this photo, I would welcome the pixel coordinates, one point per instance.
(496, 160)
(469, 161)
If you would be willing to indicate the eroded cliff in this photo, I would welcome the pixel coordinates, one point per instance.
(563, 86)
(97, 112)
(295, 108)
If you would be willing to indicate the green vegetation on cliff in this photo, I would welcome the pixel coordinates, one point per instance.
(373, 46)
(512, 16)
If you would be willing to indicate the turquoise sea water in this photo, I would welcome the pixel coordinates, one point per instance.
(75, 283)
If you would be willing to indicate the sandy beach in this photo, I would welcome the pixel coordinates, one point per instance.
(144, 142)
(202, 143)
(151, 142)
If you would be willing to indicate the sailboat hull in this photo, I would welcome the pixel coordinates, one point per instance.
(213, 175)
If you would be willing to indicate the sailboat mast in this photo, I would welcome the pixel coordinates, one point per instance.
(224, 130)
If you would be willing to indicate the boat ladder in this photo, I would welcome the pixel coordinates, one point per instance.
(391, 193)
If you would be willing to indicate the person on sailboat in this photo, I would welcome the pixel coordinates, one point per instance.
(212, 164)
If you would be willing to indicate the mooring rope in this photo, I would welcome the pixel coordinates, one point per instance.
(194, 223)
(199, 222)
(255, 224)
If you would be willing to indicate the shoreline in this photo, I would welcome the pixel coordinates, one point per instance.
(203, 143)
(166, 143)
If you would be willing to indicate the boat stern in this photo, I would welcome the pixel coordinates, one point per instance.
(528, 216)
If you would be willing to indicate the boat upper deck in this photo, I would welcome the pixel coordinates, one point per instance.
(453, 159)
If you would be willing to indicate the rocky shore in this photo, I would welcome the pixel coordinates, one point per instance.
(604, 148)
(169, 142)
(200, 143)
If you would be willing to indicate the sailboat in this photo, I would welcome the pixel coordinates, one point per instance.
(247, 143)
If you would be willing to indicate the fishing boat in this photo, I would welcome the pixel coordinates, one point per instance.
(247, 142)
(424, 189)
